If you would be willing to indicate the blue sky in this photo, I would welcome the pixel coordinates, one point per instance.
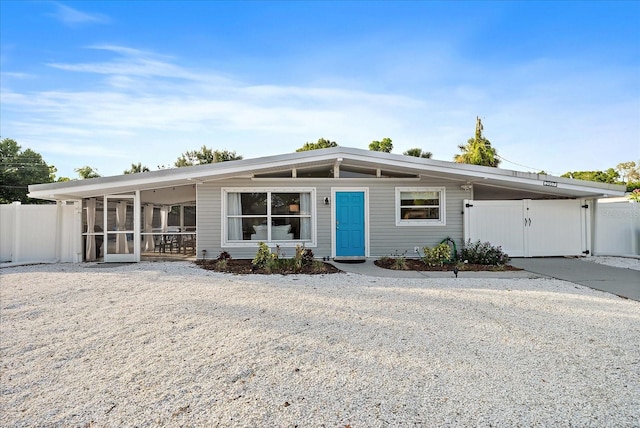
(105, 84)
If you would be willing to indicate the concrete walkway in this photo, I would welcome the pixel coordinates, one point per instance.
(619, 281)
(370, 269)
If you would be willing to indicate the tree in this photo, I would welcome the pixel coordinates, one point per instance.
(610, 176)
(381, 146)
(86, 172)
(478, 150)
(136, 168)
(628, 171)
(418, 153)
(321, 144)
(204, 156)
(20, 168)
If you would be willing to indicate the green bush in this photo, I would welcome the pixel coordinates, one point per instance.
(276, 261)
(303, 257)
(400, 263)
(436, 256)
(264, 257)
(483, 253)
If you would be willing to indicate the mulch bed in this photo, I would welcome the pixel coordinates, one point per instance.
(419, 265)
(244, 266)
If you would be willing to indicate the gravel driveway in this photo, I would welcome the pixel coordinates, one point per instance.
(169, 344)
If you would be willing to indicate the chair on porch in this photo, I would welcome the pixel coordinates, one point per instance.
(159, 243)
(189, 242)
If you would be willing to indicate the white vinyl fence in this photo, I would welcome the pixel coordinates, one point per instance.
(40, 233)
(617, 228)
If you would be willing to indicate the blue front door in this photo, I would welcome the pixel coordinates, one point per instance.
(349, 224)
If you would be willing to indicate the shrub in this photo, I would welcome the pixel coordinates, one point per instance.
(303, 257)
(436, 256)
(307, 257)
(221, 265)
(483, 253)
(264, 257)
(276, 261)
(399, 261)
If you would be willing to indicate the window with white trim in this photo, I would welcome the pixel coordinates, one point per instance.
(278, 216)
(420, 206)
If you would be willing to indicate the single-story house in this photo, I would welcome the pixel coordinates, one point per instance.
(341, 202)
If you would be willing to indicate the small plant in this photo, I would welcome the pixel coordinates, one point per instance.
(400, 264)
(297, 260)
(221, 265)
(399, 261)
(436, 256)
(635, 195)
(307, 257)
(264, 256)
(386, 260)
(483, 253)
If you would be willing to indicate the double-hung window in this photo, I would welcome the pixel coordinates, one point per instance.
(420, 206)
(280, 216)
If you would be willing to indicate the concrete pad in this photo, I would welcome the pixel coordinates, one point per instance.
(370, 269)
(619, 281)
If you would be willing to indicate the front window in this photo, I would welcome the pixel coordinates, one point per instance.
(268, 216)
(420, 206)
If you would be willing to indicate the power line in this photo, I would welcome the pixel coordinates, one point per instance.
(525, 166)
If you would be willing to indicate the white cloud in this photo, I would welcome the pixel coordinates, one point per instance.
(73, 17)
(145, 107)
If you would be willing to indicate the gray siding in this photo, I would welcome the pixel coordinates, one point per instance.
(385, 238)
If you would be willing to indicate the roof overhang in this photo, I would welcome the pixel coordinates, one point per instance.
(463, 173)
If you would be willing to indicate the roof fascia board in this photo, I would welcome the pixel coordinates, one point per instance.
(550, 191)
(181, 176)
(510, 176)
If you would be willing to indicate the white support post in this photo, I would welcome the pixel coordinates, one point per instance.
(136, 225)
(15, 250)
(58, 235)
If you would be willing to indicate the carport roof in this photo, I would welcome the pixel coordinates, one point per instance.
(463, 173)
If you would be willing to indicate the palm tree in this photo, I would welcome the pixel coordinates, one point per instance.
(418, 153)
(478, 150)
(136, 168)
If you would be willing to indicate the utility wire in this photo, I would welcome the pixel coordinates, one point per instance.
(528, 167)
